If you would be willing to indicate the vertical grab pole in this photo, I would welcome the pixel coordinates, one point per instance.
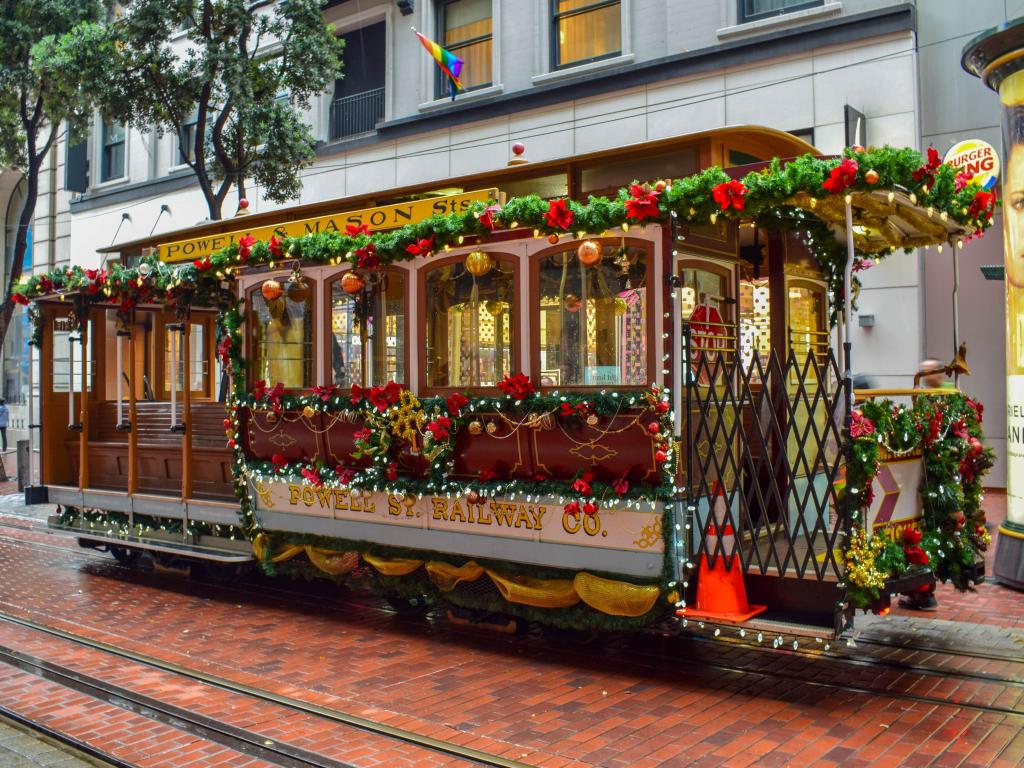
(133, 434)
(83, 438)
(691, 497)
(186, 415)
(71, 380)
(850, 507)
(174, 378)
(956, 310)
(120, 372)
(31, 420)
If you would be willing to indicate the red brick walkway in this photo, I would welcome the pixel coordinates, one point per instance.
(627, 703)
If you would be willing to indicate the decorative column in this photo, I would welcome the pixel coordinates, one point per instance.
(997, 57)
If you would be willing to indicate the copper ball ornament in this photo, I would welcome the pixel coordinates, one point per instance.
(298, 289)
(271, 290)
(553, 239)
(871, 176)
(592, 420)
(476, 427)
(352, 283)
(478, 263)
(589, 253)
(309, 412)
(572, 303)
(491, 427)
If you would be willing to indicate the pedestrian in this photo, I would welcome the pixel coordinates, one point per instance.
(5, 418)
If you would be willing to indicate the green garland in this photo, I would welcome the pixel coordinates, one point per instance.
(947, 431)
(694, 200)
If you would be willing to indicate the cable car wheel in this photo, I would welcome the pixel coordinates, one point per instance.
(125, 556)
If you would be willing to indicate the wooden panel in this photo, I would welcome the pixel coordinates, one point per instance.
(504, 451)
(291, 434)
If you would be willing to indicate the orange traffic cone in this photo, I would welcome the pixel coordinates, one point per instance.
(721, 593)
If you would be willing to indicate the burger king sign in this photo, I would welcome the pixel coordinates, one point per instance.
(977, 159)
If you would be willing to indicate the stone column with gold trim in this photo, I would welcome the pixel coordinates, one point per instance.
(997, 57)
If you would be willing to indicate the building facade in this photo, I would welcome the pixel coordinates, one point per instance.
(574, 78)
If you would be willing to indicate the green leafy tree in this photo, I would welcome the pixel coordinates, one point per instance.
(241, 72)
(42, 45)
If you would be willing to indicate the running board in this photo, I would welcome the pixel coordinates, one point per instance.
(196, 551)
(765, 626)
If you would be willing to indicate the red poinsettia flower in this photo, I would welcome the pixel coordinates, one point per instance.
(324, 393)
(966, 475)
(421, 247)
(911, 537)
(384, 397)
(861, 425)
(962, 180)
(916, 556)
(979, 409)
(312, 474)
(559, 215)
(357, 394)
(362, 435)
(245, 245)
(355, 230)
(440, 427)
(19, 298)
(582, 484)
(275, 246)
(517, 386)
(643, 204)
(345, 475)
(391, 473)
(572, 508)
(486, 475)
(959, 429)
(842, 176)
(730, 194)
(661, 456)
(203, 264)
(455, 403)
(366, 257)
(487, 217)
(621, 486)
(224, 349)
(590, 508)
(278, 460)
(983, 205)
(45, 284)
(926, 172)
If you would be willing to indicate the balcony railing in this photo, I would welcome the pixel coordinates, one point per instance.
(353, 115)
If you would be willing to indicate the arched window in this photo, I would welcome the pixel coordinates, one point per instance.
(281, 323)
(367, 331)
(470, 321)
(808, 324)
(591, 301)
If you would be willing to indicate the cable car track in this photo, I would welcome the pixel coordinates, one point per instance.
(290, 597)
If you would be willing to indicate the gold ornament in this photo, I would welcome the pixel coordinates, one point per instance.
(298, 289)
(476, 427)
(271, 290)
(592, 419)
(352, 283)
(620, 306)
(589, 253)
(478, 263)
(492, 427)
(271, 417)
(309, 411)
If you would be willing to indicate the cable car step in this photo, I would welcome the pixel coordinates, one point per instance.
(220, 554)
(772, 626)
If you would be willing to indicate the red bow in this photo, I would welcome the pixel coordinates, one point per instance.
(559, 215)
(841, 177)
(355, 230)
(245, 245)
(421, 247)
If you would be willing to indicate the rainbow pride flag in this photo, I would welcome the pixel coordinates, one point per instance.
(449, 63)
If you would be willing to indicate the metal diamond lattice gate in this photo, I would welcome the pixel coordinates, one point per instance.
(764, 459)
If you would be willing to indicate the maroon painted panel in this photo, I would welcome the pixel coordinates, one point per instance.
(339, 441)
(290, 434)
(504, 451)
(612, 448)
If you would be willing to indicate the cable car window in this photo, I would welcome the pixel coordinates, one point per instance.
(755, 321)
(63, 373)
(470, 312)
(282, 333)
(199, 371)
(807, 331)
(592, 316)
(368, 329)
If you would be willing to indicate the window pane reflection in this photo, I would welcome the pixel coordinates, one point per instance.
(592, 319)
(198, 366)
(368, 333)
(283, 340)
(469, 325)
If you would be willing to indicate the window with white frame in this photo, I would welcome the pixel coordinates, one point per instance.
(186, 150)
(112, 151)
(466, 29)
(752, 10)
(585, 30)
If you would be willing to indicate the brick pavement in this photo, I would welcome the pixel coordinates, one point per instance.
(615, 705)
(23, 749)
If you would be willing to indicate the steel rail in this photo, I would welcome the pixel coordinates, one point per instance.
(284, 594)
(339, 716)
(69, 745)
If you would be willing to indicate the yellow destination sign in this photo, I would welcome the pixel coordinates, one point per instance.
(384, 217)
